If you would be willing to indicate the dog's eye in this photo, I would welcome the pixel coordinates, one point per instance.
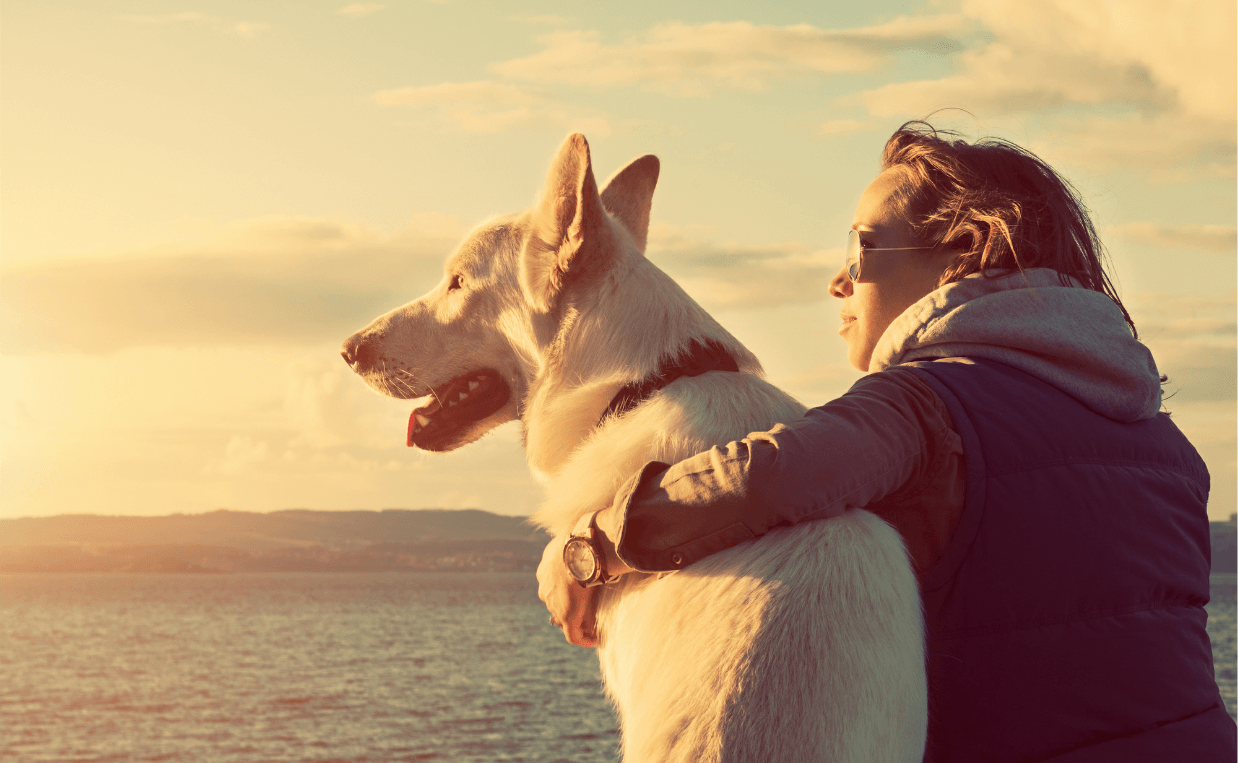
(456, 283)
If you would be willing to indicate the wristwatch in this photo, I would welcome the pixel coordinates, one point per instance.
(583, 555)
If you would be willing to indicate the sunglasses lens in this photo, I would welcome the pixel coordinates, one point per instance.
(853, 255)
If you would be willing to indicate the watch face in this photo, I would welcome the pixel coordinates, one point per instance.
(579, 558)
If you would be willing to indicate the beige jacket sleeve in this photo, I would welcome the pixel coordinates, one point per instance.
(851, 452)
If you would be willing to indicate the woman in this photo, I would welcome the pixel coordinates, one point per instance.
(1009, 429)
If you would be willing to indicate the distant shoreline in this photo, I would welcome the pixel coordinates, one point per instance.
(455, 555)
(294, 540)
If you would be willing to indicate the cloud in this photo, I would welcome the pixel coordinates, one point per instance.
(459, 92)
(1166, 309)
(1148, 55)
(1193, 328)
(1196, 371)
(1173, 147)
(838, 127)
(547, 19)
(360, 9)
(240, 455)
(493, 107)
(1101, 84)
(1110, 83)
(723, 276)
(1156, 80)
(1214, 239)
(272, 281)
(249, 28)
(327, 407)
(296, 282)
(696, 59)
(241, 28)
(1194, 341)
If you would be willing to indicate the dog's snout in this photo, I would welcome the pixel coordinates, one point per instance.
(359, 353)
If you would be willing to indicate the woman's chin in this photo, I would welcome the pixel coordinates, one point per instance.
(857, 358)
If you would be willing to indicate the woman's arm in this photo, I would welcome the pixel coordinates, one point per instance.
(889, 432)
(851, 452)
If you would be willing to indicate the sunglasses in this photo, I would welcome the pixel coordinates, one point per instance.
(856, 250)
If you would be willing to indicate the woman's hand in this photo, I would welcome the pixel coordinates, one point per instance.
(572, 608)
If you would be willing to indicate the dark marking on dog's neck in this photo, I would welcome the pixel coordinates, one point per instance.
(698, 358)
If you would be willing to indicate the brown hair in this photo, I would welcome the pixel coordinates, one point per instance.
(1000, 204)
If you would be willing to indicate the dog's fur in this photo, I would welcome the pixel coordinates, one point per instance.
(805, 644)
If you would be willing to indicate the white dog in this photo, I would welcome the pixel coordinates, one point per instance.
(803, 645)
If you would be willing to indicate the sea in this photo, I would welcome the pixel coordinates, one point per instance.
(314, 667)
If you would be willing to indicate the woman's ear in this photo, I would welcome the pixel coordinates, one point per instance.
(568, 223)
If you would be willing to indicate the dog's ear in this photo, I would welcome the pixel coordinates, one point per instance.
(568, 218)
(628, 195)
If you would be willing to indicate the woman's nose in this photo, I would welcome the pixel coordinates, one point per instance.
(840, 284)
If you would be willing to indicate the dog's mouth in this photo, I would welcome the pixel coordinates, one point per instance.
(454, 407)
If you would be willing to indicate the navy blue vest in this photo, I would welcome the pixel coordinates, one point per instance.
(1065, 620)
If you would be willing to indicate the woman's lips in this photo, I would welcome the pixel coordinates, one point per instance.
(847, 321)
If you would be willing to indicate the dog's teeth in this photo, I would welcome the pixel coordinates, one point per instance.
(463, 395)
(481, 378)
(473, 385)
(422, 420)
(450, 403)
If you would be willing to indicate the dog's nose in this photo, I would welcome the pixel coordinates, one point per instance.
(358, 353)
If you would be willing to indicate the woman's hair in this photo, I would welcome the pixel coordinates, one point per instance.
(999, 204)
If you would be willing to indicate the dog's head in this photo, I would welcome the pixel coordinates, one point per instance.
(486, 334)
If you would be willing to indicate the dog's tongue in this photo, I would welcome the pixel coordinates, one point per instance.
(454, 406)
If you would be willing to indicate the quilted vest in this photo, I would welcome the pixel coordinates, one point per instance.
(1065, 620)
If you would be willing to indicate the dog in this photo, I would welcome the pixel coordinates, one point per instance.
(803, 645)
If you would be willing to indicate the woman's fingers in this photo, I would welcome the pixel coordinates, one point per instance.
(573, 609)
(579, 626)
(552, 557)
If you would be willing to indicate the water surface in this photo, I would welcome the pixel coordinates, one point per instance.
(314, 667)
(358, 667)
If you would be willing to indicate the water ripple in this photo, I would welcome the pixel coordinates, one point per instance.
(320, 667)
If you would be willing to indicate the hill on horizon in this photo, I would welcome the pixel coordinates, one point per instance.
(290, 539)
(251, 530)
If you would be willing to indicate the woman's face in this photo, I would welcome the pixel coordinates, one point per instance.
(890, 282)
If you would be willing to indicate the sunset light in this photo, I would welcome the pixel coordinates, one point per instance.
(204, 205)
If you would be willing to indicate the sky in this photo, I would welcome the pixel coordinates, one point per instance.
(200, 201)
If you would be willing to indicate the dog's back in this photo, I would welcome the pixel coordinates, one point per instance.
(805, 644)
